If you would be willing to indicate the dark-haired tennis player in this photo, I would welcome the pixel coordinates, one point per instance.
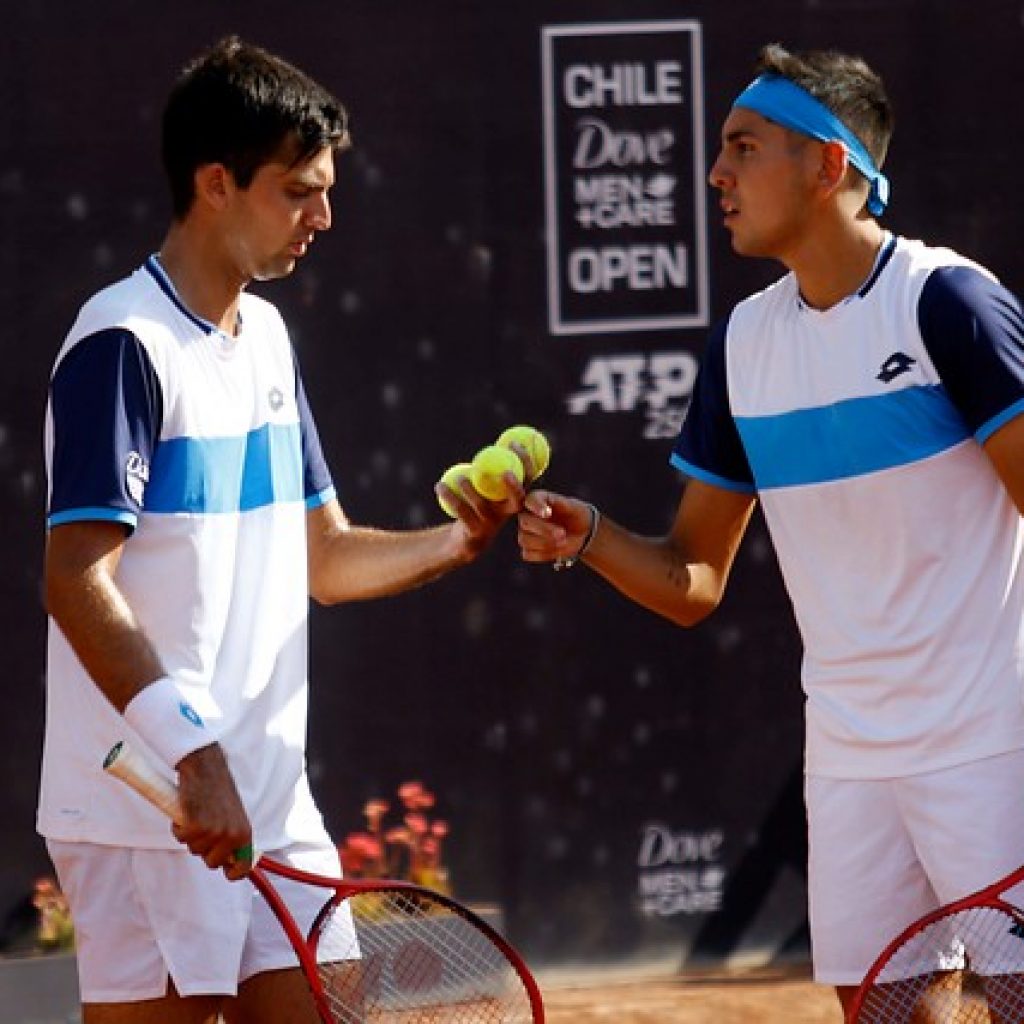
(191, 515)
(871, 399)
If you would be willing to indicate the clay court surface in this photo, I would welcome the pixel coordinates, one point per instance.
(762, 998)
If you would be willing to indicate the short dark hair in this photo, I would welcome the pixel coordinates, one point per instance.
(239, 105)
(845, 84)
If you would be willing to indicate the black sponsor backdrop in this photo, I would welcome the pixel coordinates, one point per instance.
(556, 722)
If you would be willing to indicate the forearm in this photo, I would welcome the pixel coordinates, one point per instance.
(84, 600)
(681, 576)
(654, 572)
(357, 563)
(103, 632)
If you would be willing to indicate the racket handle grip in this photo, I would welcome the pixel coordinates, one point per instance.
(128, 765)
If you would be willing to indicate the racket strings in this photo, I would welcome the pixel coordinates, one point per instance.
(416, 961)
(965, 968)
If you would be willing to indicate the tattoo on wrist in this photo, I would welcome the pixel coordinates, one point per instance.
(676, 572)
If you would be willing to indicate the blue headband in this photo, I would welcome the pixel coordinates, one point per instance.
(792, 106)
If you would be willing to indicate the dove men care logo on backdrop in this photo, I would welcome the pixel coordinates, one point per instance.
(680, 871)
(624, 177)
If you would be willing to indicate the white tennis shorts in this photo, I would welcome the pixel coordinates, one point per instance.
(885, 851)
(143, 916)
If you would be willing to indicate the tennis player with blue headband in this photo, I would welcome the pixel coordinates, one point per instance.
(786, 103)
(870, 400)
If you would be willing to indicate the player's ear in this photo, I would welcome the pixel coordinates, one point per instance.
(833, 165)
(213, 184)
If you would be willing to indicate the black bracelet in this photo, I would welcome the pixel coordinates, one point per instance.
(568, 563)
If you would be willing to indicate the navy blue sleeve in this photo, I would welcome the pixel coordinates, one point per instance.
(106, 408)
(316, 477)
(974, 332)
(709, 446)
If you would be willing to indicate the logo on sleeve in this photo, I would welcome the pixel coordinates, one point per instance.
(188, 712)
(136, 475)
(276, 398)
(897, 363)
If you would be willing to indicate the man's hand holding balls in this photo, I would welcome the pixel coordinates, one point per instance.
(497, 471)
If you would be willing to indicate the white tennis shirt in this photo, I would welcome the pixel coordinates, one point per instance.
(203, 446)
(860, 429)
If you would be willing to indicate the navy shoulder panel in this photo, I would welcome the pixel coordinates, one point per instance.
(106, 407)
(709, 446)
(973, 330)
(316, 476)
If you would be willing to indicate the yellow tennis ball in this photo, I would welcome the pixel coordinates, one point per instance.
(535, 443)
(488, 469)
(452, 477)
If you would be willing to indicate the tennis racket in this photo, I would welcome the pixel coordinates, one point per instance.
(386, 952)
(960, 964)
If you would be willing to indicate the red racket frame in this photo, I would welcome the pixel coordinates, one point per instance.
(987, 897)
(305, 946)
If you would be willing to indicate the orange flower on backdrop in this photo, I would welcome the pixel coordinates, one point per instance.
(410, 849)
(54, 930)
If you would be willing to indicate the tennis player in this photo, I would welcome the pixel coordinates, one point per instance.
(188, 496)
(872, 399)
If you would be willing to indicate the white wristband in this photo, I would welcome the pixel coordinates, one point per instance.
(165, 718)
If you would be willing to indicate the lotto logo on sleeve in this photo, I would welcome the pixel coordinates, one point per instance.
(624, 177)
(188, 712)
(136, 475)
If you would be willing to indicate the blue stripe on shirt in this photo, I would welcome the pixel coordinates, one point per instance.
(90, 515)
(321, 498)
(850, 438)
(226, 474)
(697, 473)
(986, 430)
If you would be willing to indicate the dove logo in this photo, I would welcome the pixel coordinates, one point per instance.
(598, 145)
(680, 872)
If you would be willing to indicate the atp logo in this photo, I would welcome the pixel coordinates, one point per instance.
(897, 363)
(659, 385)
